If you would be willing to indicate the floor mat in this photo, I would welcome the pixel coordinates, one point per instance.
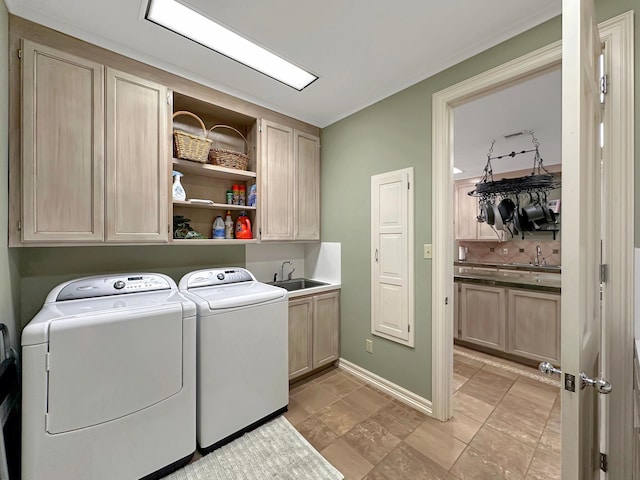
(276, 450)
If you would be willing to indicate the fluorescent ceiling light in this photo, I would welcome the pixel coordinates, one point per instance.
(195, 26)
(456, 170)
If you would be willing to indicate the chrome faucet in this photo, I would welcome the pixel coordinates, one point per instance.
(282, 269)
(539, 256)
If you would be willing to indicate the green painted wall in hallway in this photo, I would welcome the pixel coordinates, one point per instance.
(392, 134)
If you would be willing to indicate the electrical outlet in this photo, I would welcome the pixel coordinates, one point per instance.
(505, 251)
(369, 345)
(427, 250)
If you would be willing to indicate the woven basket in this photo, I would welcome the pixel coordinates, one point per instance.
(189, 146)
(228, 158)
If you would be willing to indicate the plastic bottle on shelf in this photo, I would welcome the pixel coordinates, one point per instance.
(252, 196)
(243, 195)
(243, 227)
(178, 192)
(218, 227)
(228, 226)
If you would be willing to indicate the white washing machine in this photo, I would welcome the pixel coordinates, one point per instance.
(108, 376)
(242, 353)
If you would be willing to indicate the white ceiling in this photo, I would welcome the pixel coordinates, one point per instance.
(362, 50)
(533, 105)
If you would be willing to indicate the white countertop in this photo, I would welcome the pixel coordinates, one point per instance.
(314, 290)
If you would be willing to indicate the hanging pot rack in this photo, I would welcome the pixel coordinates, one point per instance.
(540, 181)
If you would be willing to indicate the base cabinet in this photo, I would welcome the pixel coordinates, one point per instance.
(483, 315)
(533, 325)
(521, 322)
(314, 323)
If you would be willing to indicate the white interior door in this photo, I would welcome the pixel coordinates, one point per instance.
(392, 262)
(581, 237)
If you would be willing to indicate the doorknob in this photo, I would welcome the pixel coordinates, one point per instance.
(548, 369)
(600, 384)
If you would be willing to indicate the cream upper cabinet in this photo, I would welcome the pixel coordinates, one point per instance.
(137, 163)
(62, 147)
(94, 152)
(306, 186)
(289, 184)
(466, 210)
(276, 182)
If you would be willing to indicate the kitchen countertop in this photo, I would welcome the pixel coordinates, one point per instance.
(491, 275)
(528, 267)
(314, 290)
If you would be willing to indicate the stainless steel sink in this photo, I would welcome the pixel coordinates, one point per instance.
(298, 284)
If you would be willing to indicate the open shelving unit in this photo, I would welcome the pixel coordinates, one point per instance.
(207, 182)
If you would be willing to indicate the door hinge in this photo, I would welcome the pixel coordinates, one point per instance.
(408, 185)
(19, 225)
(168, 98)
(604, 83)
(604, 273)
(20, 53)
(446, 300)
(46, 422)
(409, 328)
(48, 361)
(604, 462)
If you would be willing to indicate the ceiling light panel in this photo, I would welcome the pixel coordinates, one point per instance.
(195, 26)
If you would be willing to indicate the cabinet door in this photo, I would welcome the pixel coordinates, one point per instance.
(62, 147)
(326, 322)
(138, 172)
(300, 336)
(466, 209)
(456, 310)
(533, 325)
(307, 186)
(482, 316)
(277, 179)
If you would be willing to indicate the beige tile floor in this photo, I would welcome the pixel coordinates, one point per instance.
(505, 426)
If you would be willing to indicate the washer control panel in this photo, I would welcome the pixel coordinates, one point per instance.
(112, 285)
(218, 276)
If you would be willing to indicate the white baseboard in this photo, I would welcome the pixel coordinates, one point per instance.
(396, 391)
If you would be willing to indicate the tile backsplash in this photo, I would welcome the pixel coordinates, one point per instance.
(515, 251)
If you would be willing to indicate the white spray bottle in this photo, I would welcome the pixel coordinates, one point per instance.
(178, 191)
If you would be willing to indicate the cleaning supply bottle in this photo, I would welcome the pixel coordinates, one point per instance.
(243, 227)
(252, 196)
(218, 228)
(178, 192)
(228, 226)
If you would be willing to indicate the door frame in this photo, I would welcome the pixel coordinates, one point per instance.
(617, 36)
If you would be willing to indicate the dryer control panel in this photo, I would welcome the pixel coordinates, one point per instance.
(217, 276)
(112, 285)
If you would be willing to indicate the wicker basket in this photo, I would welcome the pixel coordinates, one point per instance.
(189, 146)
(228, 158)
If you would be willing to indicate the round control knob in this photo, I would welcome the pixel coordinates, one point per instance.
(119, 285)
(220, 276)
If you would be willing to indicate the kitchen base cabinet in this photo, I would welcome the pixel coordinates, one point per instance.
(482, 315)
(314, 323)
(513, 322)
(533, 325)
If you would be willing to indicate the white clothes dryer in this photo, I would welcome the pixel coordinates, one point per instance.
(242, 353)
(108, 376)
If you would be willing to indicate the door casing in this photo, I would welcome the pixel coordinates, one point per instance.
(617, 36)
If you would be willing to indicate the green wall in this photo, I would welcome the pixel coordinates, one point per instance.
(392, 134)
(9, 278)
